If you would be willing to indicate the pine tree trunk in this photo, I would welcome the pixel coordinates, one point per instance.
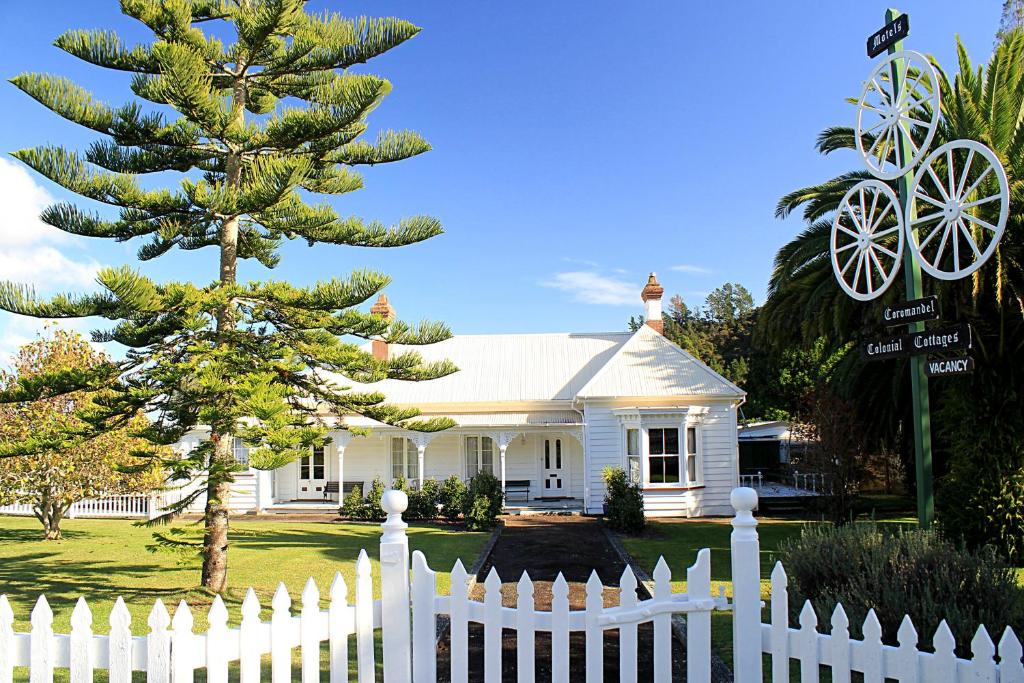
(218, 488)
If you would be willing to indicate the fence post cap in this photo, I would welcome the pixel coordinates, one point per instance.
(743, 499)
(394, 501)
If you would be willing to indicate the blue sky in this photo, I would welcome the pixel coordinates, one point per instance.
(577, 146)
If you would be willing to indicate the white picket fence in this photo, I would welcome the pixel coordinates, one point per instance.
(405, 622)
(128, 505)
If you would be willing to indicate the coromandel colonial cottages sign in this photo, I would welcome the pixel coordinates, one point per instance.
(945, 218)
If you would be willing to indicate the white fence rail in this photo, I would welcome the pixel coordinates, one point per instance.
(405, 621)
(128, 505)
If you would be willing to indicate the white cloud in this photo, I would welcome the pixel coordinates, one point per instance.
(580, 261)
(590, 287)
(30, 250)
(687, 268)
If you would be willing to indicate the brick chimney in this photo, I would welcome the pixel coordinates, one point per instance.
(382, 308)
(651, 296)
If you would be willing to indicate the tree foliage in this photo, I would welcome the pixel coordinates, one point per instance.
(805, 306)
(78, 465)
(256, 128)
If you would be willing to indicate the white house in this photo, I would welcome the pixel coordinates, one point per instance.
(546, 413)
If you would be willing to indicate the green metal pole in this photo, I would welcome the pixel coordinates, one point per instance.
(912, 272)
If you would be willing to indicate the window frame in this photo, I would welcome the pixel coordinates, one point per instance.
(664, 454)
(411, 456)
(467, 475)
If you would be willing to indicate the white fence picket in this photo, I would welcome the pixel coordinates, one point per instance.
(81, 664)
(662, 622)
(492, 627)
(627, 632)
(871, 649)
(942, 664)
(158, 645)
(982, 666)
(340, 621)
(906, 667)
(182, 645)
(309, 634)
(1011, 654)
(364, 620)
(217, 642)
(424, 620)
(807, 645)
(249, 636)
(779, 637)
(594, 634)
(839, 646)
(281, 633)
(525, 634)
(6, 641)
(119, 655)
(41, 647)
(560, 630)
(698, 624)
(459, 629)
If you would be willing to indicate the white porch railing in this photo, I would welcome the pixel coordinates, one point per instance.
(405, 621)
(128, 505)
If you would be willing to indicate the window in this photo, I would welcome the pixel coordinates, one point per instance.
(479, 455)
(405, 459)
(240, 450)
(691, 455)
(663, 456)
(555, 464)
(633, 455)
(312, 465)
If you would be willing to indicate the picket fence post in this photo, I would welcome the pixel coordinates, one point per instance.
(746, 588)
(394, 590)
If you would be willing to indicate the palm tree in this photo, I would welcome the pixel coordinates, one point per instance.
(983, 103)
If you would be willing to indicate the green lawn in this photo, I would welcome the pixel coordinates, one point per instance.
(678, 540)
(102, 559)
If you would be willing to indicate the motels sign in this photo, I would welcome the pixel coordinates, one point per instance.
(880, 40)
(953, 338)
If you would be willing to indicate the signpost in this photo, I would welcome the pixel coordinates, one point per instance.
(897, 117)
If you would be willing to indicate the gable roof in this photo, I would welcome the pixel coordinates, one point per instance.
(503, 368)
(649, 365)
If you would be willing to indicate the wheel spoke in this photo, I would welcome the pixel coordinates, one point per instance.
(931, 216)
(919, 122)
(956, 247)
(878, 265)
(863, 210)
(974, 185)
(942, 246)
(931, 200)
(884, 250)
(875, 223)
(910, 138)
(938, 183)
(963, 174)
(978, 221)
(883, 92)
(976, 202)
(856, 221)
(890, 138)
(952, 174)
(853, 258)
(932, 234)
(839, 250)
(868, 130)
(887, 231)
(878, 138)
(856, 273)
(870, 220)
(970, 239)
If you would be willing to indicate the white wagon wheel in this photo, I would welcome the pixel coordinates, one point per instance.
(882, 114)
(961, 199)
(867, 239)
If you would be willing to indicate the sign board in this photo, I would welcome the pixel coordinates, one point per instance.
(937, 367)
(895, 30)
(952, 338)
(913, 311)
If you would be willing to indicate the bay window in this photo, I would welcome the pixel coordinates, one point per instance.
(691, 455)
(479, 455)
(633, 455)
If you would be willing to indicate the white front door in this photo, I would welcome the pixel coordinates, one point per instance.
(313, 475)
(553, 483)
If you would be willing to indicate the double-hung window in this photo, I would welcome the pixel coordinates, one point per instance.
(692, 470)
(240, 451)
(405, 461)
(633, 454)
(663, 455)
(479, 455)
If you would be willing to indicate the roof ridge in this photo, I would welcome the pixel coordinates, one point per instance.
(609, 362)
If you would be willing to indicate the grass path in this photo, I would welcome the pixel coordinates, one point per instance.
(102, 559)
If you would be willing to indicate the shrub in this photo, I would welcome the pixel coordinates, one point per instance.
(451, 496)
(371, 505)
(624, 503)
(483, 502)
(898, 572)
(352, 504)
(423, 502)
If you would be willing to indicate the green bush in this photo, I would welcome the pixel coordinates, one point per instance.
(423, 501)
(624, 503)
(483, 502)
(451, 497)
(902, 571)
(371, 509)
(352, 504)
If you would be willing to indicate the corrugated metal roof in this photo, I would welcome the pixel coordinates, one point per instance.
(649, 365)
(504, 368)
(529, 419)
(554, 367)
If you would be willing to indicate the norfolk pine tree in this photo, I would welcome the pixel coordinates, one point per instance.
(255, 127)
